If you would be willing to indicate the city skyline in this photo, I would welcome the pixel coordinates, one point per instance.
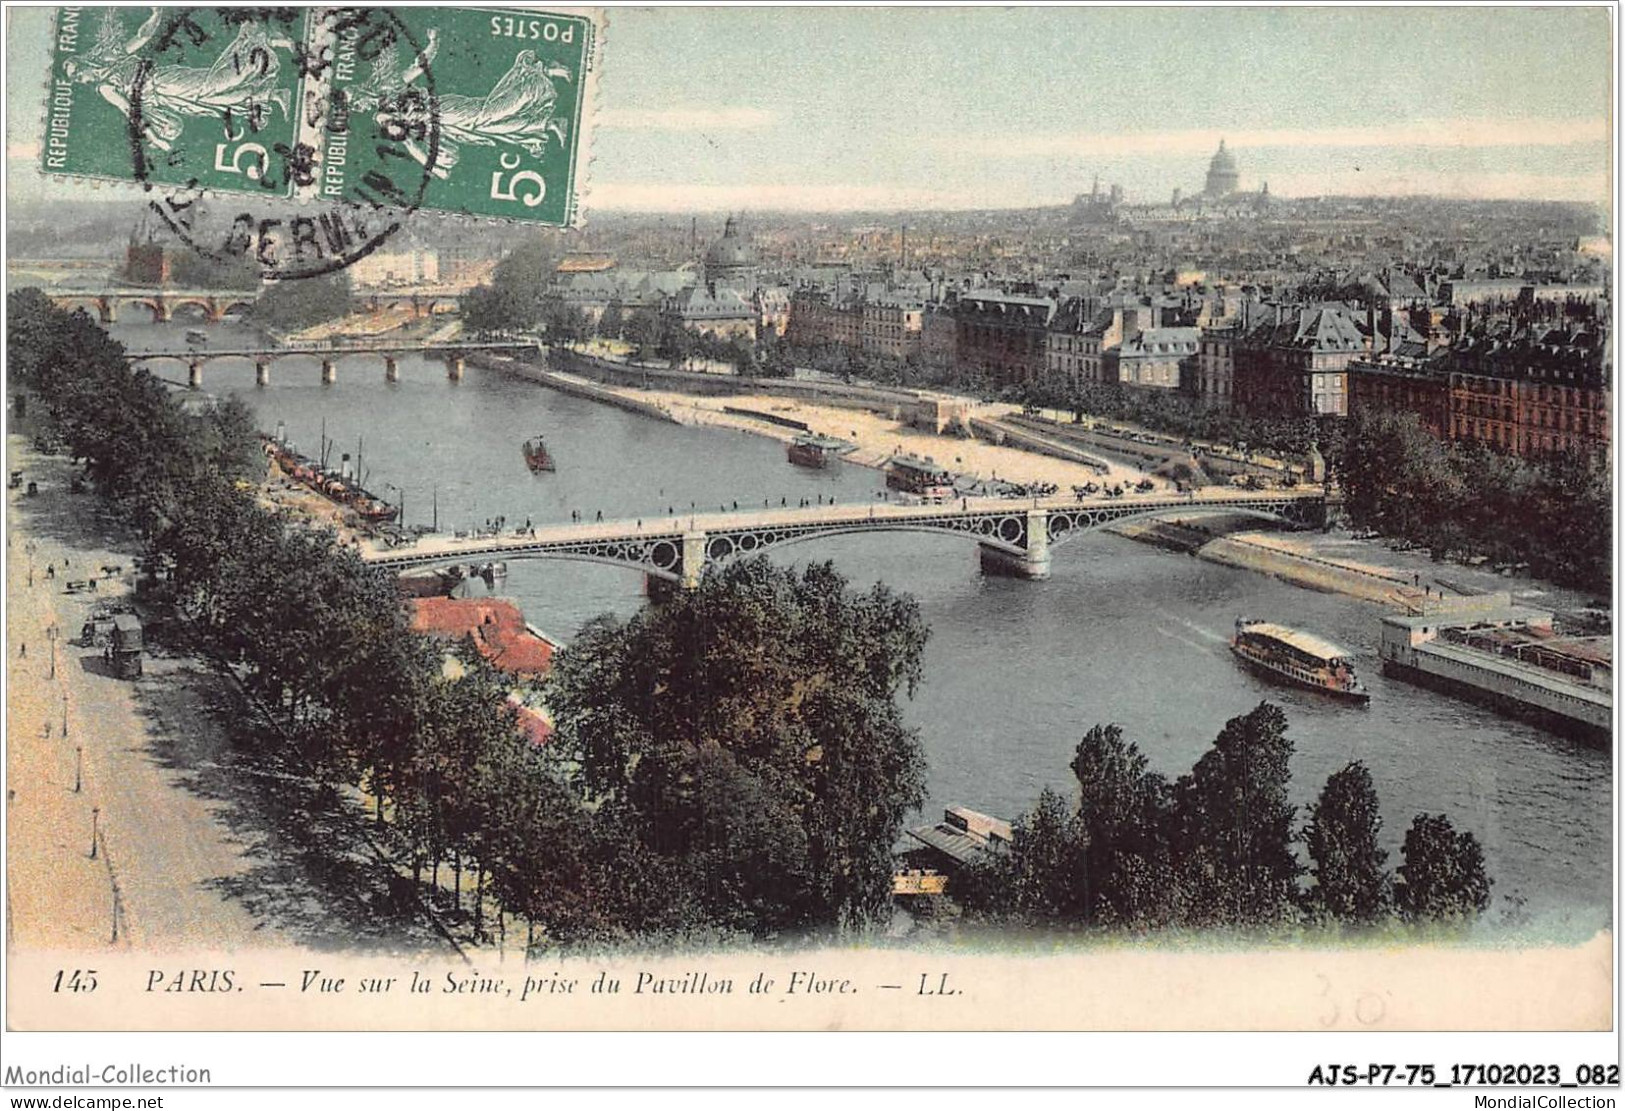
(831, 110)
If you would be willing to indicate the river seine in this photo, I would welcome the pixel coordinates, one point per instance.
(1015, 672)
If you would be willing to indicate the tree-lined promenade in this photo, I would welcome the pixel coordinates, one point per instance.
(719, 798)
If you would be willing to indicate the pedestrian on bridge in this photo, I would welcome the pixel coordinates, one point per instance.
(600, 514)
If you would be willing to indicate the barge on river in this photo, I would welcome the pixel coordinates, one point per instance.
(537, 457)
(1298, 659)
(1510, 658)
(340, 487)
(818, 452)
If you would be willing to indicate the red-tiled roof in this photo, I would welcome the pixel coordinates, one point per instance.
(496, 626)
(533, 725)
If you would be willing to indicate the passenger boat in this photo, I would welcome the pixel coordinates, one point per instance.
(914, 475)
(817, 451)
(197, 337)
(536, 455)
(1297, 658)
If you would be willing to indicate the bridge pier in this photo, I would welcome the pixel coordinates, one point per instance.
(392, 369)
(1033, 564)
(109, 313)
(330, 372)
(693, 559)
(262, 372)
(659, 589)
(454, 367)
(194, 374)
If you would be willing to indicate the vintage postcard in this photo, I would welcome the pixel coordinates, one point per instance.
(799, 519)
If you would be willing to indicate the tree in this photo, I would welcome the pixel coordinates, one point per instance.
(613, 322)
(1233, 825)
(1127, 874)
(300, 303)
(514, 300)
(642, 330)
(1351, 881)
(1443, 877)
(748, 733)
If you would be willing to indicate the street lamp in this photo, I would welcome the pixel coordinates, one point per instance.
(78, 767)
(95, 815)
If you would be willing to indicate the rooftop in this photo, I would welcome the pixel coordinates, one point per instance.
(496, 627)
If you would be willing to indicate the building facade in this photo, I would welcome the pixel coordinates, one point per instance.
(1004, 336)
(1297, 365)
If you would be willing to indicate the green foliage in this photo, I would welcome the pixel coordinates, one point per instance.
(1124, 815)
(302, 302)
(749, 735)
(1351, 881)
(514, 301)
(1555, 514)
(193, 270)
(1442, 877)
(1178, 414)
(1214, 849)
(322, 640)
(1233, 826)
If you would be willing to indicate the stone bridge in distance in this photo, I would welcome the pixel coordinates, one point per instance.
(1014, 537)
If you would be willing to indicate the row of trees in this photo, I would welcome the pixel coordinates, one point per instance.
(730, 764)
(1555, 514)
(1214, 848)
(1180, 415)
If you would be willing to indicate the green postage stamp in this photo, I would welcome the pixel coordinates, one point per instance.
(472, 111)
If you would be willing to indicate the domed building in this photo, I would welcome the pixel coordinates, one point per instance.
(732, 261)
(1223, 177)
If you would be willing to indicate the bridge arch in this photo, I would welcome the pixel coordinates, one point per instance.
(93, 306)
(1064, 524)
(205, 307)
(157, 306)
(234, 308)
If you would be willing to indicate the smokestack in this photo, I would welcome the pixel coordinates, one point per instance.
(344, 466)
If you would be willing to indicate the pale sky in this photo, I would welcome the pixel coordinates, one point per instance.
(705, 109)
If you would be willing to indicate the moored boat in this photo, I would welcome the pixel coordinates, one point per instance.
(923, 477)
(817, 452)
(339, 487)
(1298, 659)
(537, 457)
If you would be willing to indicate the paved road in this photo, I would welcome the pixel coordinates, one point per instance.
(211, 842)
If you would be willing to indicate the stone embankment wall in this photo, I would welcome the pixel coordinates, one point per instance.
(1305, 570)
(571, 385)
(897, 404)
(1006, 433)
